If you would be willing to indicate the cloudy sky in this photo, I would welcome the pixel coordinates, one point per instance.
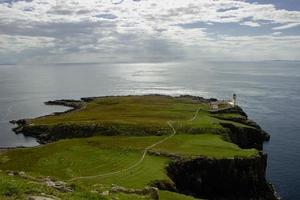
(55, 31)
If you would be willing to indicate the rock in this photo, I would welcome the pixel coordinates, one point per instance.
(59, 185)
(164, 185)
(154, 193)
(246, 137)
(40, 198)
(237, 178)
(105, 193)
(21, 173)
(11, 174)
(50, 183)
(13, 121)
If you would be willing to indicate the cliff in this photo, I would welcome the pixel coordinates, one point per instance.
(237, 178)
(249, 136)
(232, 176)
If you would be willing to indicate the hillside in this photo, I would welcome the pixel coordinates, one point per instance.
(138, 147)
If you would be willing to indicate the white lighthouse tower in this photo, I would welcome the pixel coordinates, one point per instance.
(234, 100)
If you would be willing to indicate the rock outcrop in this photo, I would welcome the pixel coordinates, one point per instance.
(251, 135)
(246, 137)
(238, 178)
(47, 133)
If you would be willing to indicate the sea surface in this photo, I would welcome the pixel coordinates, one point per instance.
(268, 91)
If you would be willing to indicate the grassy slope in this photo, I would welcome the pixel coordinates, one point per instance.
(103, 154)
(205, 145)
(98, 155)
(12, 188)
(165, 195)
(135, 109)
(19, 188)
(72, 158)
(141, 111)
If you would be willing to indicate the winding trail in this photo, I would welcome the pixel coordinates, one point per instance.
(143, 156)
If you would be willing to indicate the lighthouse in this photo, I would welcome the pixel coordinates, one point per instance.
(234, 100)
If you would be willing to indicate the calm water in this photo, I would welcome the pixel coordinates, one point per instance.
(268, 91)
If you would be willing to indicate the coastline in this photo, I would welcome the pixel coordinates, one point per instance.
(78, 104)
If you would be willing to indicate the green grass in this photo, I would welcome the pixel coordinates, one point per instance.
(133, 115)
(100, 155)
(132, 109)
(228, 115)
(17, 188)
(207, 145)
(72, 158)
(186, 145)
(208, 123)
(104, 154)
(165, 195)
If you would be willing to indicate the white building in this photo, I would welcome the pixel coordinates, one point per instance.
(214, 105)
(232, 102)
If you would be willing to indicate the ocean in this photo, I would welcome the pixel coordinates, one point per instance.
(269, 92)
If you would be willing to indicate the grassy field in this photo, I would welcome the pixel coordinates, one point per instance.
(100, 155)
(15, 188)
(165, 195)
(103, 154)
(133, 115)
(95, 163)
(208, 145)
(133, 109)
(72, 158)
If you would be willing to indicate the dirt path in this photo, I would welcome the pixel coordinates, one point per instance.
(143, 156)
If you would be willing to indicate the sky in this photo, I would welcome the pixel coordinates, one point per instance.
(71, 31)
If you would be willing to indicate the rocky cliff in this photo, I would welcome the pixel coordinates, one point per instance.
(231, 178)
(249, 136)
(237, 178)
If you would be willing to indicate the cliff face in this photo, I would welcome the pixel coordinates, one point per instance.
(236, 178)
(249, 136)
(46, 134)
(246, 137)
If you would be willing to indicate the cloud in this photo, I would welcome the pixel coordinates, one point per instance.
(249, 23)
(19, 43)
(287, 26)
(147, 28)
(277, 33)
(106, 16)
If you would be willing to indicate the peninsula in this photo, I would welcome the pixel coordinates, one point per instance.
(139, 147)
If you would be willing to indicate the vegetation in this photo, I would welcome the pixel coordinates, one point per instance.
(19, 188)
(207, 145)
(95, 163)
(12, 187)
(165, 195)
(144, 110)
